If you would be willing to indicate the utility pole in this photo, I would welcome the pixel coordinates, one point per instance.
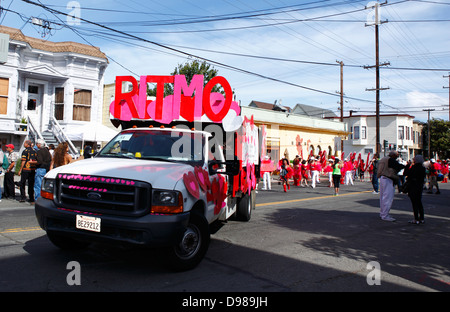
(429, 137)
(448, 95)
(342, 100)
(342, 90)
(377, 72)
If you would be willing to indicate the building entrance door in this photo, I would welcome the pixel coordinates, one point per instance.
(33, 107)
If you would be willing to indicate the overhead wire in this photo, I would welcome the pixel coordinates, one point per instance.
(199, 57)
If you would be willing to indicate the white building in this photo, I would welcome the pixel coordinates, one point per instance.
(55, 87)
(396, 129)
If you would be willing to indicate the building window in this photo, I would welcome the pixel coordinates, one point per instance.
(363, 132)
(4, 87)
(82, 100)
(356, 132)
(401, 132)
(59, 103)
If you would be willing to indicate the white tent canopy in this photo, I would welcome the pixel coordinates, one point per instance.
(94, 132)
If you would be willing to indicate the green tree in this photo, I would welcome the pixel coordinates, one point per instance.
(189, 69)
(439, 137)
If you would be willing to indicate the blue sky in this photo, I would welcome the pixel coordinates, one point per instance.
(298, 44)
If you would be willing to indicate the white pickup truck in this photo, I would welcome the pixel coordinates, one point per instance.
(152, 186)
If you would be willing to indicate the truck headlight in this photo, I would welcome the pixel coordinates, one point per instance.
(47, 188)
(164, 201)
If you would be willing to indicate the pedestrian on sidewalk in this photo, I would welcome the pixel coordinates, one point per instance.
(8, 183)
(374, 166)
(27, 172)
(415, 177)
(42, 163)
(388, 169)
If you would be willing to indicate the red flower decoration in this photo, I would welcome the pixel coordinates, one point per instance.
(202, 178)
(191, 184)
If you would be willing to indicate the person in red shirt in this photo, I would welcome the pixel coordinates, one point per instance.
(434, 171)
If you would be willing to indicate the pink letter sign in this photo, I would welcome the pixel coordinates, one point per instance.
(191, 102)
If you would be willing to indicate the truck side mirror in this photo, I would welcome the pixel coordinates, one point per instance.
(231, 167)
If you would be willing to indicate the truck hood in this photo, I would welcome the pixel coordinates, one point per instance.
(160, 174)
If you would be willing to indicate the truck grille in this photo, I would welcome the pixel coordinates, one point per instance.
(103, 195)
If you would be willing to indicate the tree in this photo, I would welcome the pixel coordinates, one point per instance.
(189, 69)
(439, 137)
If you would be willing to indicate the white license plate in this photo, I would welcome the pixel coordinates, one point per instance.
(88, 223)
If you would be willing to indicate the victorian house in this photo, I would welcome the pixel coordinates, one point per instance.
(49, 90)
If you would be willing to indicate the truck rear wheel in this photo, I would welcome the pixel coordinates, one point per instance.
(189, 252)
(244, 207)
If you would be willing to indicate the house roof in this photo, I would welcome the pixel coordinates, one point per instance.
(313, 111)
(269, 106)
(45, 45)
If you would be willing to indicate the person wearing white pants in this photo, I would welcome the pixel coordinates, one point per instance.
(387, 191)
(388, 169)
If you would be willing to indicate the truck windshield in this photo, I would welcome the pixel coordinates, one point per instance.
(177, 146)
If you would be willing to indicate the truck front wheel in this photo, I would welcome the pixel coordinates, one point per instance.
(188, 253)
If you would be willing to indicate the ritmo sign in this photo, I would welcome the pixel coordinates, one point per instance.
(191, 102)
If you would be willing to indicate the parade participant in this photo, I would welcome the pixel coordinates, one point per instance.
(266, 170)
(348, 168)
(284, 174)
(328, 170)
(304, 173)
(434, 171)
(297, 170)
(314, 167)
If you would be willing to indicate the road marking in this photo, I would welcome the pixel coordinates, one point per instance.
(306, 199)
(17, 230)
(36, 228)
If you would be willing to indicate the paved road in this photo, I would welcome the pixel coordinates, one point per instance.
(302, 240)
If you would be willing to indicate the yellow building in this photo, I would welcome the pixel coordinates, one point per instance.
(290, 134)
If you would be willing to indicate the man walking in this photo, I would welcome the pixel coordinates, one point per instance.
(388, 168)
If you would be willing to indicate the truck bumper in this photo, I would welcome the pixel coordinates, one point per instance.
(148, 230)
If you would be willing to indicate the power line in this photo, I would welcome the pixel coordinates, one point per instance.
(192, 55)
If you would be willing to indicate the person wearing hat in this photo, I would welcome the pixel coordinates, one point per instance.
(42, 163)
(8, 182)
(434, 170)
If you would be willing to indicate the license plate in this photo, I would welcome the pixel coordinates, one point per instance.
(88, 223)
